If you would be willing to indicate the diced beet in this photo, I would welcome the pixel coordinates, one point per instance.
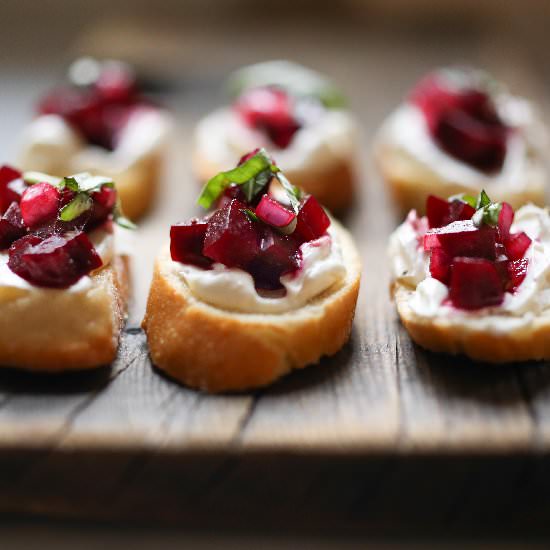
(231, 238)
(55, 262)
(475, 283)
(278, 255)
(517, 245)
(463, 238)
(7, 192)
(234, 191)
(271, 110)
(40, 204)
(106, 197)
(11, 226)
(187, 242)
(116, 83)
(441, 212)
(274, 213)
(517, 270)
(463, 122)
(313, 221)
(440, 265)
(505, 220)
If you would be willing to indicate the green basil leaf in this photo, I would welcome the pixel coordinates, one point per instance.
(487, 212)
(252, 169)
(483, 200)
(294, 193)
(76, 207)
(39, 177)
(254, 185)
(251, 215)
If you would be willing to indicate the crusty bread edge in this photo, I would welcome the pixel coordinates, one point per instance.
(410, 182)
(332, 186)
(216, 350)
(440, 334)
(71, 343)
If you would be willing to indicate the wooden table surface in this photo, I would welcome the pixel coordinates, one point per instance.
(381, 431)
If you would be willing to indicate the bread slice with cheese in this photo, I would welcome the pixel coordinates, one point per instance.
(56, 330)
(217, 350)
(458, 336)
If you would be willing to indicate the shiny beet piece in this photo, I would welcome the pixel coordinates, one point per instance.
(313, 221)
(187, 242)
(505, 220)
(475, 283)
(463, 122)
(440, 265)
(57, 261)
(40, 204)
(231, 237)
(463, 238)
(274, 213)
(278, 255)
(11, 226)
(441, 212)
(234, 191)
(517, 245)
(8, 191)
(516, 272)
(270, 110)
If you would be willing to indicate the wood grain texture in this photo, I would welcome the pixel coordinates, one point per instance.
(382, 431)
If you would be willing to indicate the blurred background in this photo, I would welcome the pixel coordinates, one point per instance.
(374, 49)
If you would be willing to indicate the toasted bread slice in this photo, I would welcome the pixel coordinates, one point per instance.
(217, 350)
(59, 330)
(411, 181)
(332, 186)
(442, 334)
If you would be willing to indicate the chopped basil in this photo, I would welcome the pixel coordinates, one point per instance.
(251, 215)
(77, 206)
(38, 177)
(294, 193)
(487, 212)
(464, 197)
(253, 173)
(86, 182)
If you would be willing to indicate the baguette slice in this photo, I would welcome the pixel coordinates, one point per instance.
(217, 350)
(441, 334)
(332, 186)
(56, 330)
(411, 182)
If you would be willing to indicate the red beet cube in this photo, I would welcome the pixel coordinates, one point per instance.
(57, 261)
(274, 213)
(231, 237)
(11, 226)
(441, 212)
(8, 193)
(517, 245)
(505, 220)
(440, 265)
(313, 221)
(475, 283)
(40, 204)
(271, 110)
(463, 238)
(463, 122)
(187, 242)
(278, 255)
(516, 271)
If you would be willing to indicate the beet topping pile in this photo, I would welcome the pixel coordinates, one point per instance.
(100, 108)
(462, 119)
(259, 225)
(473, 251)
(45, 221)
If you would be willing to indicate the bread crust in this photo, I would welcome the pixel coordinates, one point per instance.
(411, 181)
(216, 350)
(439, 334)
(57, 330)
(332, 186)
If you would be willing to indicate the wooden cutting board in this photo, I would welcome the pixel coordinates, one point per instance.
(383, 430)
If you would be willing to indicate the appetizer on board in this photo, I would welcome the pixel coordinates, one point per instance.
(100, 123)
(264, 284)
(63, 281)
(294, 112)
(473, 277)
(459, 131)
